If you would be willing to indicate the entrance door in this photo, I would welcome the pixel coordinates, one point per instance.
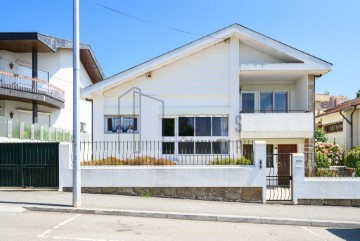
(284, 163)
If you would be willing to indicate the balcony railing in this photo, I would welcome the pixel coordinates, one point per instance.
(31, 85)
(274, 111)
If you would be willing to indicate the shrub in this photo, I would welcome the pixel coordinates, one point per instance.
(353, 157)
(231, 161)
(357, 172)
(322, 160)
(320, 135)
(145, 160)
(324, 172)
(333, 151)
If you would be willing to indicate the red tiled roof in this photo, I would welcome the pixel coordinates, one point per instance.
(341, 107)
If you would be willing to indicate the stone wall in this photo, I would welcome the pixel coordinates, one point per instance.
(330, 202)
(228, 194)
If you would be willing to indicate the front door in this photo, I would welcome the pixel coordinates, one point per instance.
(284, 163)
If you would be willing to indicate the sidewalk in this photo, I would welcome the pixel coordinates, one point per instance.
(55, 201)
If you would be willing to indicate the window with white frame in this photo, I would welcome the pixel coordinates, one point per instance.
(203, 126)
(120, 123)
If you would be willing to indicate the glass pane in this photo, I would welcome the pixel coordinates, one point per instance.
(203, 147)
(248, 151)
(27, 130)
(203, 126)
(168, 148)
(220, 147)
(266, 101)
(219, 126)
(37, 131)
(186, 126)
(15, 129)
(3, 127)
(186, 147)
(269, 156)
(281, 102)
(168, 127)
(248, 102)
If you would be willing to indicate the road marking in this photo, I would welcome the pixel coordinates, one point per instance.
(312, 232)
(58, 226)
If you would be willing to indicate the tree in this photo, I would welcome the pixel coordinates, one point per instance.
(358, 94)
(320, 135)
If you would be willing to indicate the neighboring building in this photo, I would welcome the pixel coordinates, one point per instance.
(36, 80)
(234, 84)
(325, 101)
(319, 99)
(342, 123)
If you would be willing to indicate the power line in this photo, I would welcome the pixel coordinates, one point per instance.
(147, 21)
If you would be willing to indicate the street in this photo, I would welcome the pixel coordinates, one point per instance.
(17, 223)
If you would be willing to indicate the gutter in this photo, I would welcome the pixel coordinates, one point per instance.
(350, 123)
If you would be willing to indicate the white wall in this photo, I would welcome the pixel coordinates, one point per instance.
(59, 65)
(249, 55)
(301, 93)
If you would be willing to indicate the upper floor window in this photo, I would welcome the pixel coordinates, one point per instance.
(118, 123)
(268, 101)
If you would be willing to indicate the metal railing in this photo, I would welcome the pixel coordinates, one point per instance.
(343, 164)
(165, 153)
(27, 84)
(272, 111)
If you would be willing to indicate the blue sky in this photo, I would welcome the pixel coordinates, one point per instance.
(329, 30)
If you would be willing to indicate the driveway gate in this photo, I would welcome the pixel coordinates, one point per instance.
(279, 177)
(29, 164)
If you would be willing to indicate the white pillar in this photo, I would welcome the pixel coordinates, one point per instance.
(234, 88)
(98, 118)
(260, 163)
(298, 169)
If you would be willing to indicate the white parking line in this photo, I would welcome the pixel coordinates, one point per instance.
(58, 226)
(312, 232)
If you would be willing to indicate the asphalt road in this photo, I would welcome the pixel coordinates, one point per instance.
(19, 224)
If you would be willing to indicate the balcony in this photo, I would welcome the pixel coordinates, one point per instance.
(292, 124)
(22, 88)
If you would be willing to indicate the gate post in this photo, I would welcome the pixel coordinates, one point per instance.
(298, 175)
(260, 163)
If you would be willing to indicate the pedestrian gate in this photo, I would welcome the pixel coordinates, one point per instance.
(29, 164)
(279, 177)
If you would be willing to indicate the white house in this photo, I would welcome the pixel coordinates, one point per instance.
(234, 84)
(36, 80)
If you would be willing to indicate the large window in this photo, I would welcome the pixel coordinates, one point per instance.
(203, 126)
(203, 147)
(168, 127)
(120, 123)
(266, 101)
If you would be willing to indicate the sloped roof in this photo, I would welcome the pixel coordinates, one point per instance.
(341, 107)
(201, 44)
(24, 42)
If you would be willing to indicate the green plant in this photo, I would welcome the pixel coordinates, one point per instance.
(353, 157)
(324, 172)
(230, 161)
(320, 135)
(333, 151)
(322, 160)
(357, 171)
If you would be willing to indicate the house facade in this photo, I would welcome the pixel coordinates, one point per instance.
(36, 83)
(234, 84)
(341, 124)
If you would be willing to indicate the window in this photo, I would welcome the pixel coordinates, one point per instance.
(333, 127)
(273, 102)
(219, 126)
(248, 151)
(168, 127)
(168, 148)
(266, 101)
(203, 147)
(220, 147)
(186, 147)
(269, 156)
(186, 126)
(203, 126)
(248, 102)
(120, 123)
(281, 101)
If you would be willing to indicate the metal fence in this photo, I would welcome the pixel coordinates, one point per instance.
(339, 164)
(168, 153)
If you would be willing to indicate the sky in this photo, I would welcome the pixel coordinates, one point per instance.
(329, 30)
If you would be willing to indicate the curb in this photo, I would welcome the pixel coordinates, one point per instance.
(201, 217)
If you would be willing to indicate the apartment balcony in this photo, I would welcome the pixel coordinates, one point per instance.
(22, 88)
(290, 124)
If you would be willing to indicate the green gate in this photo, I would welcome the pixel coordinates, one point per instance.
(29, 164)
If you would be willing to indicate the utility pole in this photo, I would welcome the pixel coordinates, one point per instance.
(76, 93)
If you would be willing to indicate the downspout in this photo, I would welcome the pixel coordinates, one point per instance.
(351, 124)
